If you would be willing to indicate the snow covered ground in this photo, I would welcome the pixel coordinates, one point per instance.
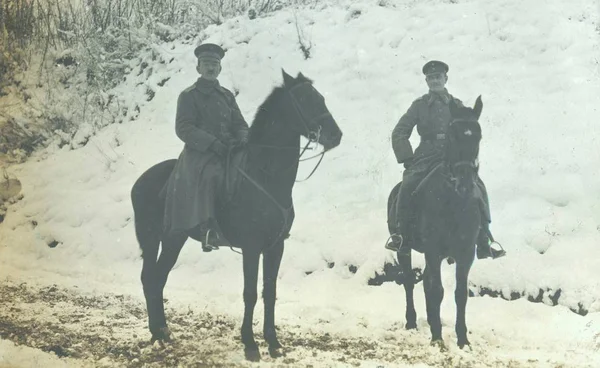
(537, 69)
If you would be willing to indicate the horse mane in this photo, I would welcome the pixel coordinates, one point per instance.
(265, 110)
(465, 125)
(464, 133)
(263, 113)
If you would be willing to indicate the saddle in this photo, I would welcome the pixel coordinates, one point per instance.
(236, 159)
(411, 239)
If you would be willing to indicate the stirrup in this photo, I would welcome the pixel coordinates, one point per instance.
(393, 240)
(491, 252)
(206, 246)
(499, 253)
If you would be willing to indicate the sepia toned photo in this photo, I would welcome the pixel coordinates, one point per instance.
(299, 183)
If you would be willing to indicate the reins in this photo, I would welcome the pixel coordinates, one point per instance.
(313, 137)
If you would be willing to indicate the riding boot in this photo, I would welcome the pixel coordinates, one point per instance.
(484, 245)
(399, 237)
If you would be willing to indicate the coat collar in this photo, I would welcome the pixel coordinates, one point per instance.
(445, 97)
(206, 86)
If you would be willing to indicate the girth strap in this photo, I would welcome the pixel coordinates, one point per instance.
(284, 212)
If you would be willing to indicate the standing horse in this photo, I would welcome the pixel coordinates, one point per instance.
(259, 219)
(447, 223)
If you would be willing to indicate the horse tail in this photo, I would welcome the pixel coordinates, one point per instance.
(149, 207)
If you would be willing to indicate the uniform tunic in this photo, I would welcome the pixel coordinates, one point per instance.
(430, 113)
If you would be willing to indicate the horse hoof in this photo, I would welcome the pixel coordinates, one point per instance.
(411, 326)
(252, 355)
(462, 344)
(276, 352)
(440, 344)
(162, 335)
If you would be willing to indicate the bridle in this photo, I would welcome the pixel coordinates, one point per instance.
(450, 167)
(471, 164)
(313, 135)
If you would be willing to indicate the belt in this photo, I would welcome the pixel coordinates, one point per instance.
(433, 137)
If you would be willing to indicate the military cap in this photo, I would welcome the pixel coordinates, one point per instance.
(209, 51)
(435, 66)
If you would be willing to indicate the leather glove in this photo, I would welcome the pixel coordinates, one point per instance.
(243, 136)
(219, 149)
(241, 142)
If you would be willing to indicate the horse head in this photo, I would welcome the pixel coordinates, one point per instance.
(312, 118)
(462, 150)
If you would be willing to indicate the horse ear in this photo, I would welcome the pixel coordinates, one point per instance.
(287, 79)
(478, 107)
(300, 76)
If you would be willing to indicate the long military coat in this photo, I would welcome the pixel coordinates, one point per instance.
(430, 113)
(206, 112)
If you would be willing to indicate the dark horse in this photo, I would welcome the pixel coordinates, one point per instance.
(447, 223)
(258, 220)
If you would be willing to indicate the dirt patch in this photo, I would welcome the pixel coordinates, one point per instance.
(9, 191)
(110, 330)
(391, 270)
(9, 188)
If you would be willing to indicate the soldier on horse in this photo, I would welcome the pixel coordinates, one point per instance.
(430, 113)
(210, 123)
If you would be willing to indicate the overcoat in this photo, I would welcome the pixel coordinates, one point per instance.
(206, 113)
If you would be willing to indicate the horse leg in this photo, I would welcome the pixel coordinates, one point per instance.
(271, 262)
(149, 240)
(434, 293)
(461, 295)
(408, 280)
(250, 261)
(155, 283)
(149, 285)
